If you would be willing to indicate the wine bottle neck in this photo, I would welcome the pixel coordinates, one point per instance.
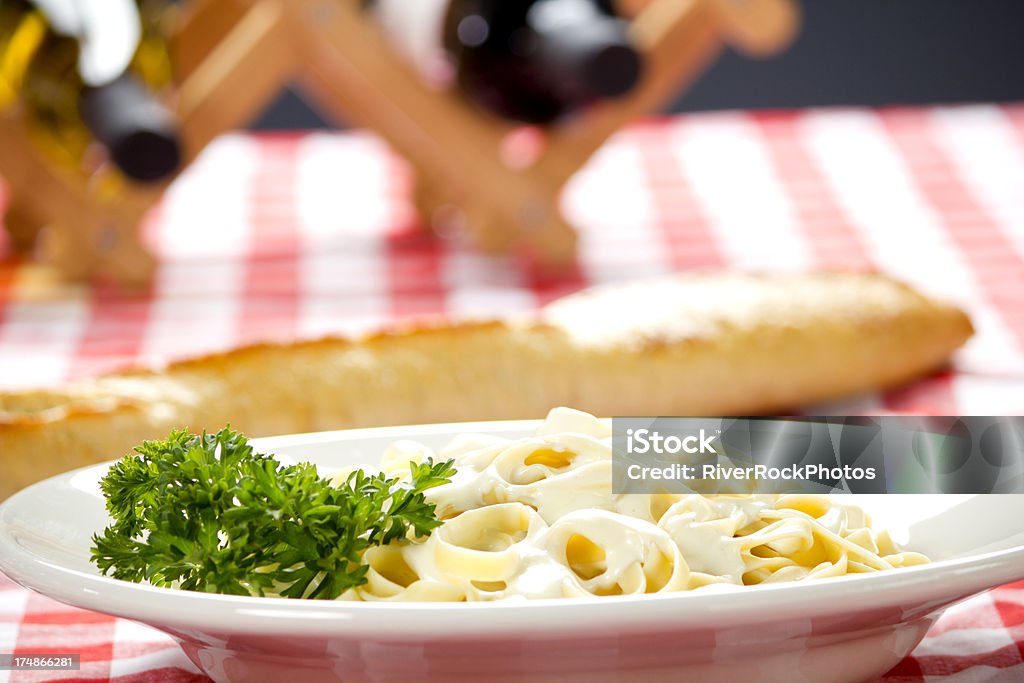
(139, 134)
(582, 51)
(539, 60)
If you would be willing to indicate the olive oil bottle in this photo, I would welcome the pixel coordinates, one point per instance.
(89, 74)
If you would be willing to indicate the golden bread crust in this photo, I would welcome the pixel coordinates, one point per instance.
(694, 344)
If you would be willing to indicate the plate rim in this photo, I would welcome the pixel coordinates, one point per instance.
(165, 607)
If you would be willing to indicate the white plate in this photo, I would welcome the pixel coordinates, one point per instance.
(845, 629)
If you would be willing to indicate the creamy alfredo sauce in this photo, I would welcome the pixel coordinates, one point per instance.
(536, 518)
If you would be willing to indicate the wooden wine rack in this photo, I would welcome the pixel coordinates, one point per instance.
(233, 56)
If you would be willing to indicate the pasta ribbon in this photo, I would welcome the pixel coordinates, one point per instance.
(611, 554)
(536, 518)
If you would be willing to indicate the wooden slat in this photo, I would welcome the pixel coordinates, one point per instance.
(757, 28)
(201, 27)
(238, 78)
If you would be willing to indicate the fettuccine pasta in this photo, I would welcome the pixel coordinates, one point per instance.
(536, 518)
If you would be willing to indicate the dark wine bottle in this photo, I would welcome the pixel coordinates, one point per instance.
(89, 72)
(529, 60)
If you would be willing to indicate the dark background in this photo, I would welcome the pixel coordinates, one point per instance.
(850, 52)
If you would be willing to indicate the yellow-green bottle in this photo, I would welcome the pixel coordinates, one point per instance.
(90, 72)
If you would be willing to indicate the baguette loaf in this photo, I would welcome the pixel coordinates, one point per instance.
(686, 345)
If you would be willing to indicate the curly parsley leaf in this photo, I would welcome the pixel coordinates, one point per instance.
(207, 513)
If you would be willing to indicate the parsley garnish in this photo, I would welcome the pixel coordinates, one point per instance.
(207, 513)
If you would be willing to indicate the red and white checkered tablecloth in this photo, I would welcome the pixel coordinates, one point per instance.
(285, 236)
